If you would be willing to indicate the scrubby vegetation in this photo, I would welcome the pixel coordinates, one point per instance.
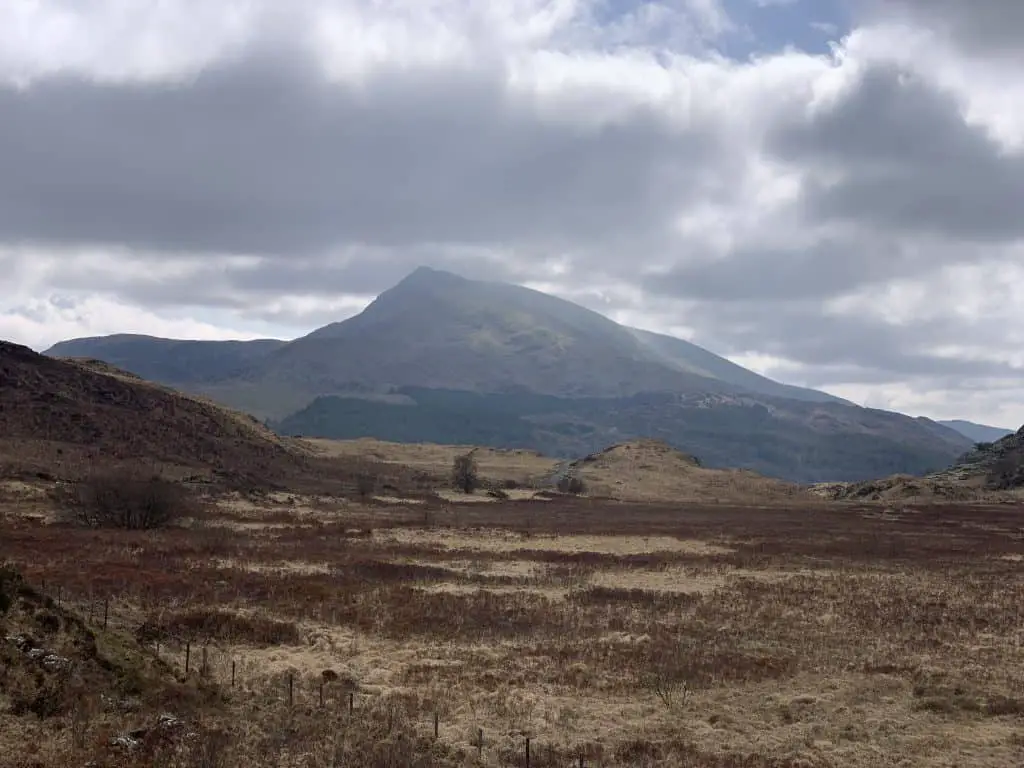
(128, 498)
(634, 635)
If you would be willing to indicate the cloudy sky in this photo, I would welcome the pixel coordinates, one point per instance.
(827, 191)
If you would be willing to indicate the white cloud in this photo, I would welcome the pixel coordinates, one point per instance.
(227, 168)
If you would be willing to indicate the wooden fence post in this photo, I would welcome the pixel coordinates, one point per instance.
(480, 741)
(437, 725)
(106, 610)
(291, 687)
(205, 668)
(527, 752)
(232, 673)
(188, 655)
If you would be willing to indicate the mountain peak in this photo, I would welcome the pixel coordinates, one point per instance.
(428, 276)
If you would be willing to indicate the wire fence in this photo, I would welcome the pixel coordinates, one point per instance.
(240, 676)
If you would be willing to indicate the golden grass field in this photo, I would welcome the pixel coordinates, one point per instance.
(607, 632)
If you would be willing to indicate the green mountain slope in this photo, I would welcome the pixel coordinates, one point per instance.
(799, 441)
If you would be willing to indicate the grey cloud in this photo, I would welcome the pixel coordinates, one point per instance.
(263, 156)
(984, 26)
(212, 281)
(824, 268)
(911, 186)
(907, 161)
(802, 332)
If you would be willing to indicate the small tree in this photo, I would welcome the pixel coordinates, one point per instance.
(572, 484)
(465, 476)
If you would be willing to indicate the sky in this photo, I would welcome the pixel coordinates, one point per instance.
(826, 191)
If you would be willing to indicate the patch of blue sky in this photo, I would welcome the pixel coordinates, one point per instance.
(754, 27)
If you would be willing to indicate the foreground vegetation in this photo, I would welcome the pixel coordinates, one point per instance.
(326, 632)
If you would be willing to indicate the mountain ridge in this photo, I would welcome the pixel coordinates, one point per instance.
(657, 362)
(530, 367)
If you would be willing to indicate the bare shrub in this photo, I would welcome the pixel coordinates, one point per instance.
(465, 475)
(126, 499)
(572, 485)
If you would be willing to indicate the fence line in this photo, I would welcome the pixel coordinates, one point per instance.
(180, 658)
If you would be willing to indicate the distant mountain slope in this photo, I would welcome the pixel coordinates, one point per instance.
(168, 361)
(508, 366)
(689, 357)
(979, 433)
(435, 329)
(441, 331)
(789, 439)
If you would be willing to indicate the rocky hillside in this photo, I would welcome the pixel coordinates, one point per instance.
(983, 473)
(998, 465)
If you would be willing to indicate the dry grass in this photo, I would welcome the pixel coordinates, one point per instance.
(519, 466)
(652, 471)
(635, 635)
(644, 471)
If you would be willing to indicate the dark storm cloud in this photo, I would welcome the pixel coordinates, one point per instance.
(264, 156)
(904, 158)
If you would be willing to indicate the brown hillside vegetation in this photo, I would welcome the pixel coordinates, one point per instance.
(640, 470)
(63, 419)
(619, 635)
(652, 471)
(498, 465)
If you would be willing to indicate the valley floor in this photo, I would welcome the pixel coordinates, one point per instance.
(608, 634)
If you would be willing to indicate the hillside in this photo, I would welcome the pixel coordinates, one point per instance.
(64, 418)
(652, 471)
(997, 465)
(789, 439)
(693, 359)
(985, 473)
(443, 359)
(168, 361)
